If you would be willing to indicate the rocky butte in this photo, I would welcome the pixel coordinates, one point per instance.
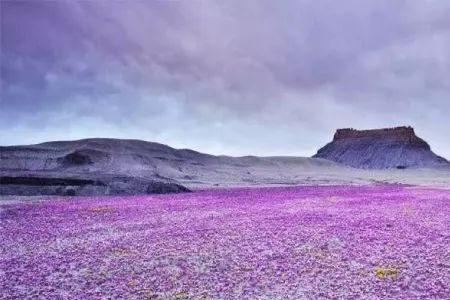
(386, 148)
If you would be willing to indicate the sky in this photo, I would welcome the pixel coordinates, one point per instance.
(224, 77)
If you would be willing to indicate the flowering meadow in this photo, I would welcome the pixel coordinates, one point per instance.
(329, 242)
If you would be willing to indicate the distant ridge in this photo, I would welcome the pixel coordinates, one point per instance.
(103, 166)
(397, 147)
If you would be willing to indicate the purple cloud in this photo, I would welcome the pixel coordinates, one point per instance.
(256, 77)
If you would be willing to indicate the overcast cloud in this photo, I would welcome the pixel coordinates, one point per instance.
(224, 77)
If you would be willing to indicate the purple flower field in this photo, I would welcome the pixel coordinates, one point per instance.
(335, 242)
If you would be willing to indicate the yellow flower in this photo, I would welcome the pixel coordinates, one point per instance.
(132, 282)
(181, 295)
(101, 209)
(385, 272)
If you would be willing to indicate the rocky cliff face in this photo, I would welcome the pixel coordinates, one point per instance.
(386, 148)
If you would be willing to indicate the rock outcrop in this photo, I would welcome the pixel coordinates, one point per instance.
(98, 184)
(386, 148)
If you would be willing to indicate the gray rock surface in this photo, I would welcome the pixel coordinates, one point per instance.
(125, 167)
(397, 147)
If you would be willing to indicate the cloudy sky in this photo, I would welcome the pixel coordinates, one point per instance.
(225, 77)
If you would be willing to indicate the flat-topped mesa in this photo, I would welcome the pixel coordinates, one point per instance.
(401, 133)
(397, 147)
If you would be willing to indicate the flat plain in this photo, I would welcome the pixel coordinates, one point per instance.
(306, 242)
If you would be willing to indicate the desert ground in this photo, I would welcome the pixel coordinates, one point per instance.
(305, 242)
(83, 220)
(118, 167)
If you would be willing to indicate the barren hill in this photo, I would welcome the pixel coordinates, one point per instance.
(114, 166)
